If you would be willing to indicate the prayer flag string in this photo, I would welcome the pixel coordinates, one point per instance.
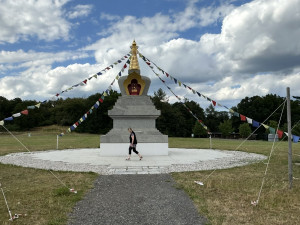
(214, 103)
(98, 102)
(54, 98)
(190, 111)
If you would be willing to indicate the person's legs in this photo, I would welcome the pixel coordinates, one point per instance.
(136, 152)
(129, 153)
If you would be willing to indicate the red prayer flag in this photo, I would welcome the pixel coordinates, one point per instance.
(107, 68)
(101, 100)
(76, 123)
(167, 74)
(125, 66)
(25, 112)
(280, 133)
(84, 81)
(148, 63)
(214, 103)
(57, 95)
(243, 118)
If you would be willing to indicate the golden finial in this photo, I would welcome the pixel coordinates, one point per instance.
(134, 63)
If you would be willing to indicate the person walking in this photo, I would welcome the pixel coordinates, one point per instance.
(132, 145)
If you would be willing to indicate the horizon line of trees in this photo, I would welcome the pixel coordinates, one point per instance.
(175, 120)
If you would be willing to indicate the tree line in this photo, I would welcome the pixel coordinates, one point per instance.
(175, 120)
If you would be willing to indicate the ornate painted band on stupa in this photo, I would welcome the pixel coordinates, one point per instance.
(134, 109)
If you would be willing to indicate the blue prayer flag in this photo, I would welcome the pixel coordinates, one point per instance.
(9, 118)
(295, 138)
(255, 123)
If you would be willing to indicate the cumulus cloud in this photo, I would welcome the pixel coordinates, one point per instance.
(256, 53)
(80, 11)
(259, 36)
(20, 20)
(42, 82)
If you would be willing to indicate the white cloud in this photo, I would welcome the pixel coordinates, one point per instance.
(106, 16)
(42, 82)
(256, 53)
(259, 36)
(80, 11)
(20, 20)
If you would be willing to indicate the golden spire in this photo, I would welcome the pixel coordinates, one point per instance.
(134, 63)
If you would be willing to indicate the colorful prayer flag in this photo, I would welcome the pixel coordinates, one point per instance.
(265, 126)
(272, 130)
(16, 115)
(249, 120)
(295, 138)
(280, 133)
(236, 114)
(243, 118)
(255, 123)
(24, 112)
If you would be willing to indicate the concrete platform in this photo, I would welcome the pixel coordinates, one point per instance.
(178, 160)
(147, 149)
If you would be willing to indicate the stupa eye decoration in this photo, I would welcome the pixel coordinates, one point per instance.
(134, 87)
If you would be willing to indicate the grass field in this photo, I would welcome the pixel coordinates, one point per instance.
(224, 199)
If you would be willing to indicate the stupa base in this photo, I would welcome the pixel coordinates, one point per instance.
(121, 149)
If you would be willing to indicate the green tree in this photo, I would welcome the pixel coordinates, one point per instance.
(226, 128)
(199, 130)
(244, 130)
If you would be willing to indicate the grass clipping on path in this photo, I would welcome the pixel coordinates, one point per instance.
(226, 195)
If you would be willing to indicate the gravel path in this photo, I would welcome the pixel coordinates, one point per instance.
(135, 199)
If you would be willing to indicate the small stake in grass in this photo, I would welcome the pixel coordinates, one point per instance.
(254, 203)
(73, 190)
(199, 182)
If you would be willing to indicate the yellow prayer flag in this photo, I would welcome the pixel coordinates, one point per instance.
(265, 126)
(81, 120)
(179, 83)
(38, 105)
(1, 123)
(104, 93)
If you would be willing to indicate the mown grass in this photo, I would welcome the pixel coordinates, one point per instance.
(38, 193)
(226, 195)
(224, 199)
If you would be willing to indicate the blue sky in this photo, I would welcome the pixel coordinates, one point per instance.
(226, 50)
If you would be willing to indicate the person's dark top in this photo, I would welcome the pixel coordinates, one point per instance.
(130, 138)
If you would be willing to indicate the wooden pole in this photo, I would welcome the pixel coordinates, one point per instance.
(290, 162)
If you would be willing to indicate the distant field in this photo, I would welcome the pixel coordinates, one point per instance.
(224, 199)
